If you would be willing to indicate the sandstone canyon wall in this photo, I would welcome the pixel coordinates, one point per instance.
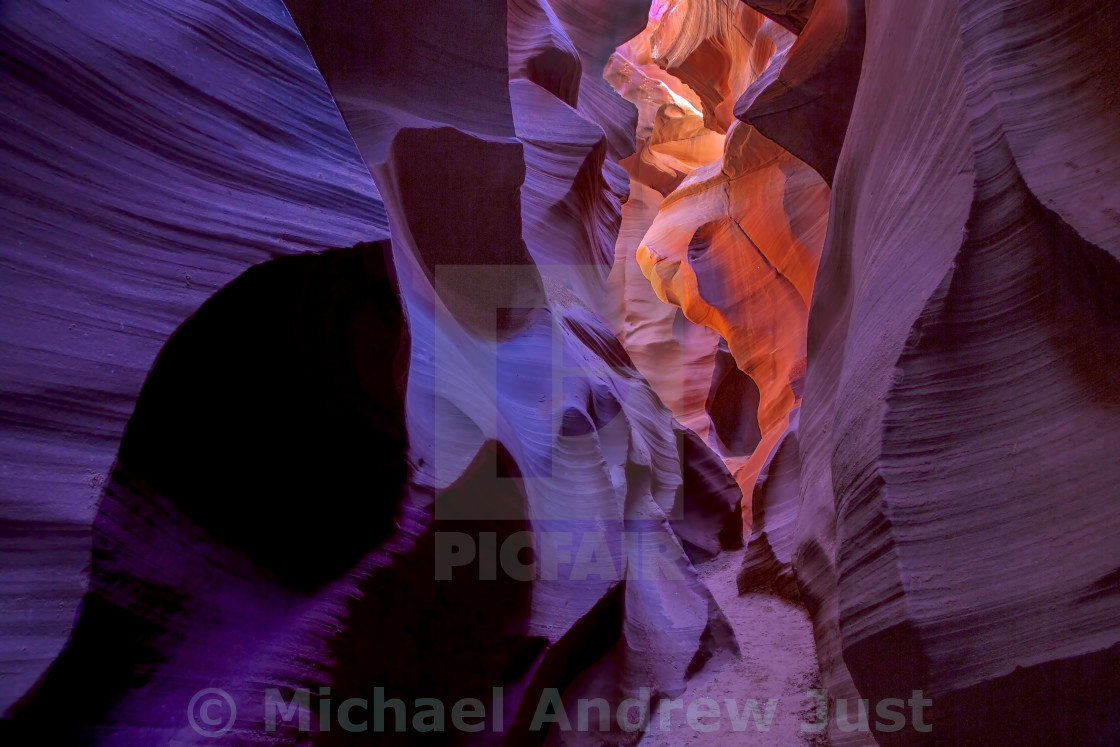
(955, 534)
(314, 309)
(904, 506)
(432, 369)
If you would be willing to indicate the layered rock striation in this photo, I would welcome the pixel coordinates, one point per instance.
(312, 442)
(910, 501)
(426, 350)
(945, 378)
(739, 226)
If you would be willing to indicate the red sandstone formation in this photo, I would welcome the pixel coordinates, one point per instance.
(915, 331)
(746, 273)
(714, 47)
(281, 323)
(736, 240)
(677, 356)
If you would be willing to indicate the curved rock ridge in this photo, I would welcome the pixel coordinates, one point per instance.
(726, 250)
(768, 562)
(434, 363)
(150, 154)
(677, 356)
(715, 48)
(313, 437)
(807, 107)
(594, 453)
(957, 499)
(792, 14)
(541, 51)
(736, 239)
(671, 137)
(596, 27)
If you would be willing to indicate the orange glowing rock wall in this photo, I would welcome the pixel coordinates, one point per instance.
(731, 226)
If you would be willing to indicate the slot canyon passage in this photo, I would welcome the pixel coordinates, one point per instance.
(569, 372)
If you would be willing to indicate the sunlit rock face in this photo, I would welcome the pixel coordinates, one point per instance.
(318, 441)
(676, 355)
(745, 271)
(738, 232)
(715, 49)
(972, 230)
(314, 311)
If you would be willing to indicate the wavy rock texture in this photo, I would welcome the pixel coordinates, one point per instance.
(542, 374)
(325, 376)
(676, 356)
(735, 247)
(309, 437)
(807, 107)
(713, 47)
(768, 563)
(736, 239)
(672, 139)
(957, 499)
(596, 28)
(150, 155)
(970, 236)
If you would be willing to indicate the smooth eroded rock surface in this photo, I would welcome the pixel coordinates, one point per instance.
(310, 440)
(150, 155)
